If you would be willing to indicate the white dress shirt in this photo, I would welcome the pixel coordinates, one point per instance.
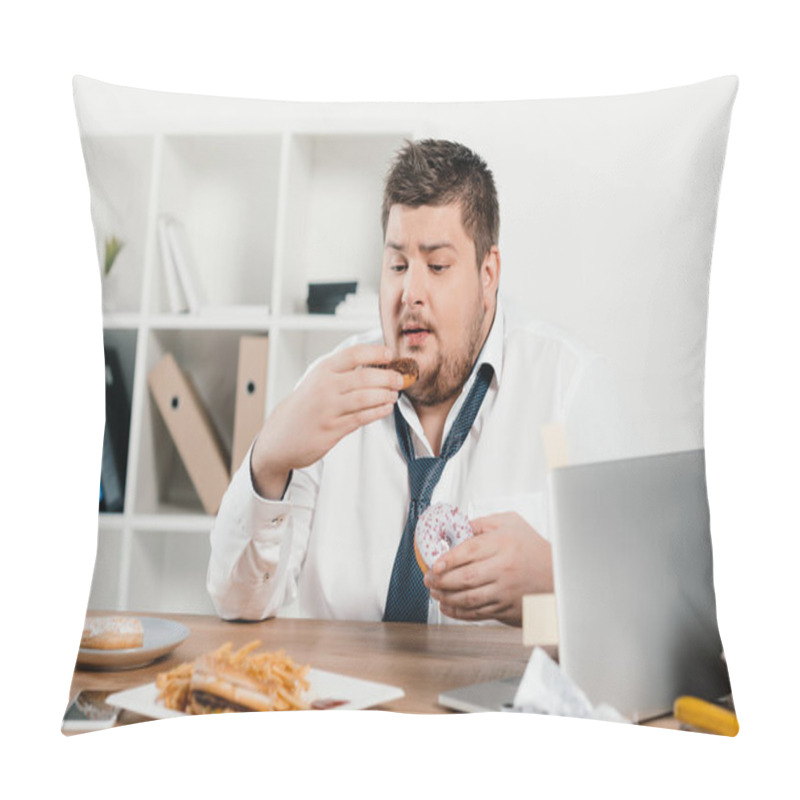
(327, 549)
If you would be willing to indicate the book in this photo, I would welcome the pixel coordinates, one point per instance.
(184, 263)
(175, 295)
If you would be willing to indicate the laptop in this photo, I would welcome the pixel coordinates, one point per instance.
(634, 587)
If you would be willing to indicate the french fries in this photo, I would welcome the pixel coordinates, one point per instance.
(278, 677)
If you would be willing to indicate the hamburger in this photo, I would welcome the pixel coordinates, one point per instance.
(226, 681)
(216, 688)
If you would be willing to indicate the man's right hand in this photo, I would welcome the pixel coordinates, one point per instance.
(336, 398)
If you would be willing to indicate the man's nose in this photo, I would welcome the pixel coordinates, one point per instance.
(414, 285)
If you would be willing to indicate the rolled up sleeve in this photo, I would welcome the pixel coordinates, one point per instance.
(257, 546)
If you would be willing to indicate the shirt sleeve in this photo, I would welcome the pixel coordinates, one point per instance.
(258, 545)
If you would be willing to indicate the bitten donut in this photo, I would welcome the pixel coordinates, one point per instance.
(112, 633)
(407, 367)
(440, 527)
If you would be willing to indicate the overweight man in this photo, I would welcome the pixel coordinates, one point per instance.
(318, 522)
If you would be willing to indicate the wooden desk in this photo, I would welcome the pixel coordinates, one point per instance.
(424, 660)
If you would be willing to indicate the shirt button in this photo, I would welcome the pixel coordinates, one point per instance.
(274, 523)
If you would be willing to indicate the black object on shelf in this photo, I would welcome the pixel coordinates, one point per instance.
(115, 437)
(324, 297)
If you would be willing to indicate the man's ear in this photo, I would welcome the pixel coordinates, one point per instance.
(490, 275)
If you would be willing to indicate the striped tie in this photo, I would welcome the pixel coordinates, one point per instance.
(408, 597)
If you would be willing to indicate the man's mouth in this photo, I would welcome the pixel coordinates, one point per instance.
(414, 336)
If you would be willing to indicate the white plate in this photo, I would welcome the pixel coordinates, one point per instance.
(160, 637)
(356, 693)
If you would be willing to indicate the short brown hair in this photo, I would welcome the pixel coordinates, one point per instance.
(436, 172)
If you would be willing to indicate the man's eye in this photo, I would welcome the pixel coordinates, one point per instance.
(397, 267)
(437, 268)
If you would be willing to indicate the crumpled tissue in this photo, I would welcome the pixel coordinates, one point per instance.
(546, 689)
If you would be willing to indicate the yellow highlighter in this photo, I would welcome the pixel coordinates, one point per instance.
(706, 716)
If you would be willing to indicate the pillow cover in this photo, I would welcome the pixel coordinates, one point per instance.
(220, 223)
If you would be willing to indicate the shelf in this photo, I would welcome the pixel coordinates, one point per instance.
(121, 321)
(326, 322)
(256, 321)
(333, 202)
(224, 191)
(111, 521)
(216, 319)
(265, 212)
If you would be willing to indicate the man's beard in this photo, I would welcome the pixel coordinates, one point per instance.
(448, 375)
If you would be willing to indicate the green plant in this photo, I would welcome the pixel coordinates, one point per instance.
(113, 246)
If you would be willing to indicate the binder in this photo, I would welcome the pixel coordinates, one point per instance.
(114, 461)
(192, 431)
(251, 393)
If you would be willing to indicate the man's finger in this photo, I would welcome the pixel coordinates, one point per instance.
(471, 575)
(481, 525)
(366, 378)
(471, 598)
(491, 611)
(467, 552)
(359, 355)
(365, 399)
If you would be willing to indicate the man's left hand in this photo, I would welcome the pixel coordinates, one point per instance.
(487, 576)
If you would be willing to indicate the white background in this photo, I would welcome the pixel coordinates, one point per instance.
(52, 396)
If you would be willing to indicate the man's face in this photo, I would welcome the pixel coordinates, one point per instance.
(436, 306)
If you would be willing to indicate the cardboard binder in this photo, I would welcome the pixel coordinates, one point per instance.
(251, 394)
(192, 431)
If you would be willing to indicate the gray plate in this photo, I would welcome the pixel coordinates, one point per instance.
(160, 637)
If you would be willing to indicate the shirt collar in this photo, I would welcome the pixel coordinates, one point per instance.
(491, 353)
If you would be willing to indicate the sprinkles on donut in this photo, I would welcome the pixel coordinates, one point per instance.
(440, 527)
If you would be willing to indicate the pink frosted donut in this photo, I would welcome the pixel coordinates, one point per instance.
(440, 527)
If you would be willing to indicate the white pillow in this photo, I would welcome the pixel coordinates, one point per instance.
(607, 205)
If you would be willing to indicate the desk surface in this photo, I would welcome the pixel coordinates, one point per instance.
(424, 660)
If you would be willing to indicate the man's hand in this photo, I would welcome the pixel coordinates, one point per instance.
(335, 399)
(486, 576)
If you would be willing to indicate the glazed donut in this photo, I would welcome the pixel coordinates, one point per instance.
(112, 633)
(440, 527)
(407, 367)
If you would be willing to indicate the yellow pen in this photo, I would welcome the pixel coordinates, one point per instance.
(707, 716)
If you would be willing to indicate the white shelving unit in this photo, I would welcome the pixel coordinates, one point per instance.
(265, 212)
